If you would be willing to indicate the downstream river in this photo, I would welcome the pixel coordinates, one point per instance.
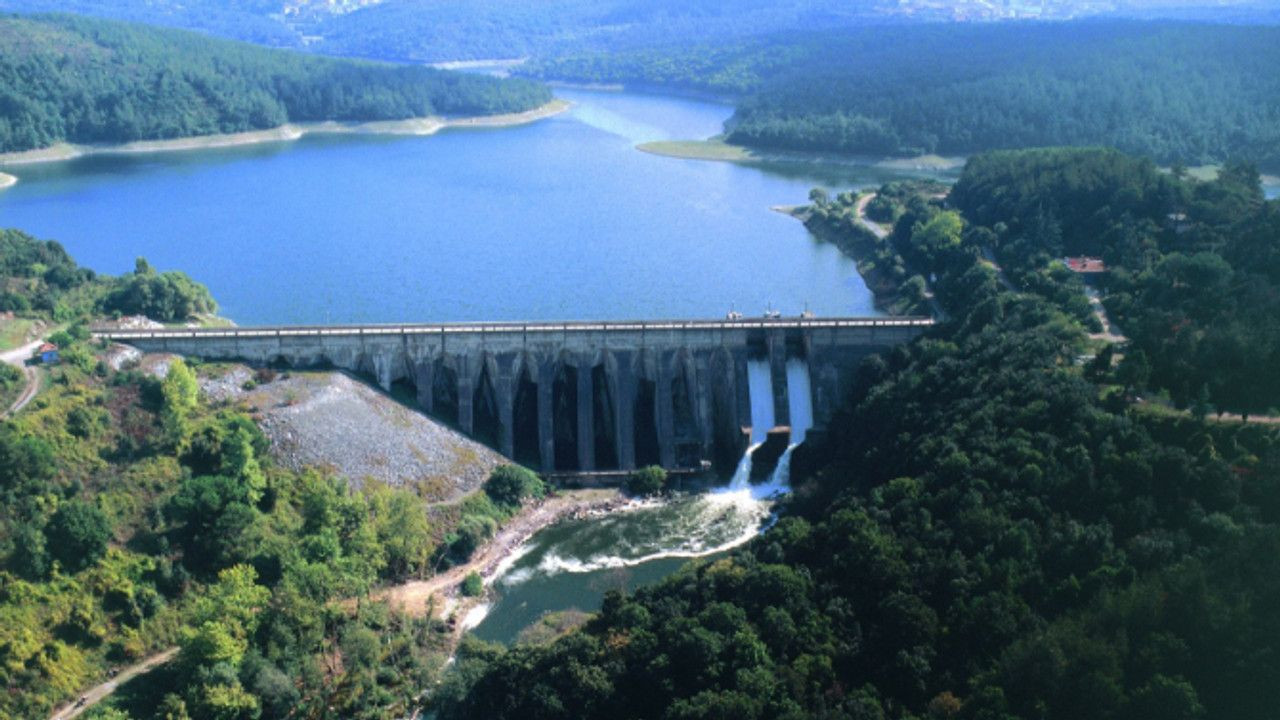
(560, 219)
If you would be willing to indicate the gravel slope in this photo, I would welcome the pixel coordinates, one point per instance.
(331, 420)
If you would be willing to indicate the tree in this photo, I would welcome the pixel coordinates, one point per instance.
(239, 462)
(78, 534)
(180, 395)
(1134, 370)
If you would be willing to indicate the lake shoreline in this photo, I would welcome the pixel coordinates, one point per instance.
(719, 151)
(884, 292)
(284, 133)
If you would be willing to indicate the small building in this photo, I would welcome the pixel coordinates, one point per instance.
(1179, 222)
(1085, 265)
(48, 354)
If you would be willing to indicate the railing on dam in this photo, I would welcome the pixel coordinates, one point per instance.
(517, 328)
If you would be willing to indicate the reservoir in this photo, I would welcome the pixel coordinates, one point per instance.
(559, 219)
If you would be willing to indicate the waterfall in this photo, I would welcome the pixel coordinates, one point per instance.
(742, 475)
(800, 397)
(760, 387)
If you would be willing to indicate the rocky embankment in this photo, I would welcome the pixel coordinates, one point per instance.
(331, 420)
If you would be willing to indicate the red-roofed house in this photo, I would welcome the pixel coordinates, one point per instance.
(1085, 264)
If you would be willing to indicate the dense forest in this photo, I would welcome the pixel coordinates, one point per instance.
(80, 80)
(1195, 275)
(1175, 92)
(990, 530)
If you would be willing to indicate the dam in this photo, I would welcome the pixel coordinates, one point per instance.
(580, 397)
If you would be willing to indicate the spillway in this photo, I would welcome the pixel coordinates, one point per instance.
(800, 399)
(760, 388)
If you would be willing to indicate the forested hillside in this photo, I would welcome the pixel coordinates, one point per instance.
(1195, 272)
(435, 30)
(1175, 92)
(64, 78)
(991, 530)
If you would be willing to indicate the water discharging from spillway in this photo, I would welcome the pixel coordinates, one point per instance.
(572, 564)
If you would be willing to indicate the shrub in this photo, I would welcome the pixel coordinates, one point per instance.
(511, 484)
(647, 481)
(473, 585)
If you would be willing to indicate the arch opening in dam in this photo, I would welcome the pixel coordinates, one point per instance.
(444, 392)
(486, 422)
(586, 397)
(526, 447)
(604, 420)
(564, 400)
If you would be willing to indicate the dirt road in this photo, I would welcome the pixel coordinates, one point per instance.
(96, 695)
(876, 228)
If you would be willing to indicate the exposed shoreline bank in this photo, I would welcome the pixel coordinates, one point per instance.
(720, 151)
(284, 133)
(482, 63)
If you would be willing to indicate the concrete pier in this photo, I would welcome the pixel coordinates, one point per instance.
(681, 382)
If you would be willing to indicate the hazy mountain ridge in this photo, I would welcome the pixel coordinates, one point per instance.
(439, 30)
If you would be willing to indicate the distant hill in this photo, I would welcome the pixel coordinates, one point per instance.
(82, 80)
(1177, 92)
(442, 30)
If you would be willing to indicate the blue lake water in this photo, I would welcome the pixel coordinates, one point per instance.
(560, 219)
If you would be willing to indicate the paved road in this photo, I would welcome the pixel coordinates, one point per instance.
(95, 695)
(17, 357)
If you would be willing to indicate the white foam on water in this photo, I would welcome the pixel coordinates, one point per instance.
(476, 615)
(501, 569)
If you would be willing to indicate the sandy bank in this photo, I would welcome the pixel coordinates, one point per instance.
(473, 64)
(284, 133)
(7, 181)
(718, 150)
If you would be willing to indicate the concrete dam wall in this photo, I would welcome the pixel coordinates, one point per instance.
(576, 397)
